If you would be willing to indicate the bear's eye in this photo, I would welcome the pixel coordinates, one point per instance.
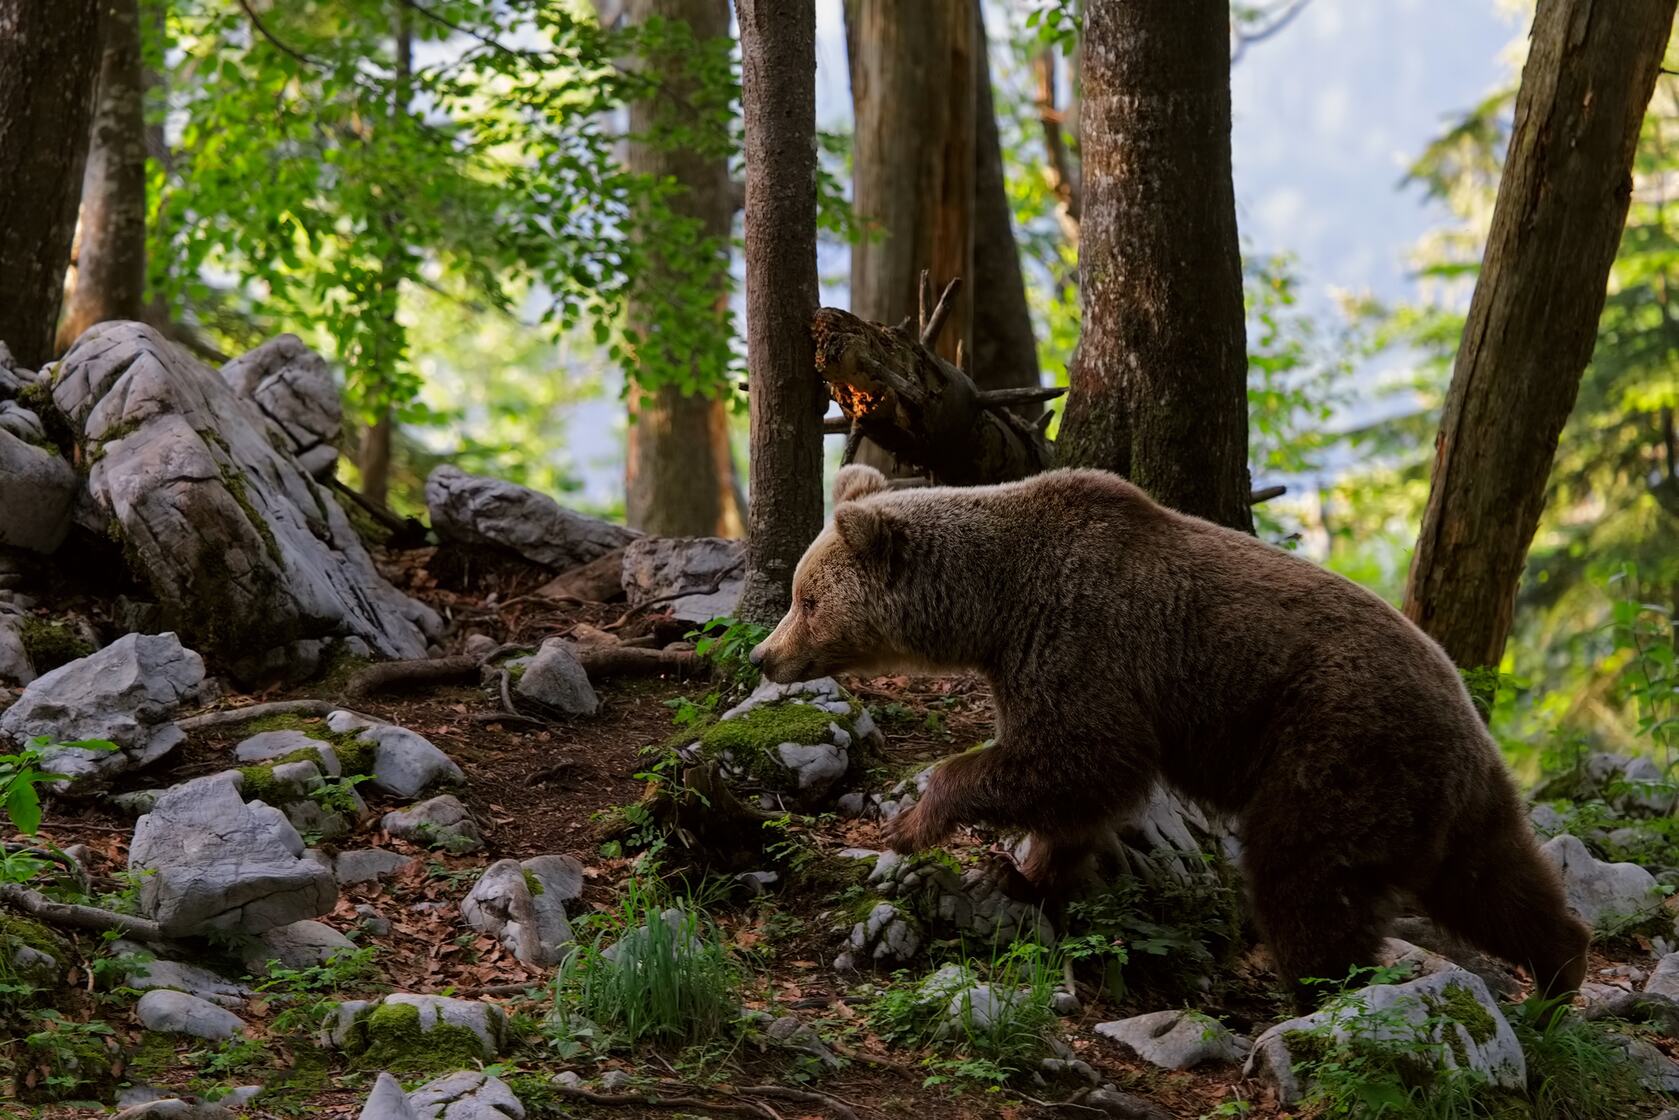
(808, 604)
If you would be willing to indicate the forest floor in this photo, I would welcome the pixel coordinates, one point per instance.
(541, 790)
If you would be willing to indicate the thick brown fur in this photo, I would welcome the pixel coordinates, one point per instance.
(1125, 642)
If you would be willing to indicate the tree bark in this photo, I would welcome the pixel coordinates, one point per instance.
(111, 261)
(1005, 349)
(49, 65)
(1532, 324)
(778, 97)
(373, 461)
(678, 469)
(913, 181)
(1159, 380)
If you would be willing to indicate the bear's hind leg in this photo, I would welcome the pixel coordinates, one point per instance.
(1498, 892)
(1320, 922)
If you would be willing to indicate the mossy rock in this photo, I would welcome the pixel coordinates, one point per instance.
(51, 644)
(355, 754)
(392, 1036)
(1459, 1004)
(750, 740)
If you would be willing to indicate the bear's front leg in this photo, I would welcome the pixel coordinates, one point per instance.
(958, 793)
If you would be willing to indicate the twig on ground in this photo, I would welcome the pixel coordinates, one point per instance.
(430, 670)
(37, 905)
(228, 716)
(802, 1096)
(653, 1100)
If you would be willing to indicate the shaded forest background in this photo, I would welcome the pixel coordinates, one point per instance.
(486, 211)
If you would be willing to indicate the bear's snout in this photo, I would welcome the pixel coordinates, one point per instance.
(756, 657)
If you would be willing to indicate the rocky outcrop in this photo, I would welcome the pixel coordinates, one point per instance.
(293, 388)
(471, 510)
(523, 906)
(1601, 893)
(246, 554)
(127, 693)
(219, 864)
(696, 579)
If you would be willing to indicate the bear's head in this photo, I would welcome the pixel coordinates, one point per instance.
(843, 616)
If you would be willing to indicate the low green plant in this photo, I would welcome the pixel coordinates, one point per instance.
(308, 995)
(652, 971)
(727, 644)
(1576, 1070)
(339, 795)
(20, 780)
(66, 1059)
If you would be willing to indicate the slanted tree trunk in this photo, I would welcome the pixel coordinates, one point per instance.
(913, 182)
(1159, 381)
(778, 99)
(111, 260)
(1005, 350)
(49, 67)
(678, 470)
(1532, 320)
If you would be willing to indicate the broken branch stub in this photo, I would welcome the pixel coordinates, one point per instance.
(920, 407)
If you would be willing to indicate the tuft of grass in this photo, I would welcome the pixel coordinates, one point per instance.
(1576, 1070)
(651, 972)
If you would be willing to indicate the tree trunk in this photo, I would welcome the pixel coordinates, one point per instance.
(1159, 381)
(111, 261)
(49, 65)
(778, 99)
(1005, 351)
(373, 461)
(1532, 321)
(678, 470)
(913, 179)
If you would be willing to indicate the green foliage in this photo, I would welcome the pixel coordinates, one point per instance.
(308, 995)
(70, 1060)
(50, 644)
(1576, 1070)
(727, 643)
(651, 972)
(990, 1037)
(20, 779)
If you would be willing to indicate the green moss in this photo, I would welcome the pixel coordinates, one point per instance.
(389, 1037)
(532, 883)
(83, 1065)
(1459, 1004)
(752, 738)
(51, 644)
(152, 1057)
(235, 483)
(355, 754)
(18, 930)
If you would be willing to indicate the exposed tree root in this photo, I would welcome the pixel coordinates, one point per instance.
(72, 916)
(229, 716)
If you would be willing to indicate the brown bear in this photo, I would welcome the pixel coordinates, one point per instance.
(1124, 641)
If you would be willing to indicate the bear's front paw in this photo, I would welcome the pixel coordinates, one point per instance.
(912, 831)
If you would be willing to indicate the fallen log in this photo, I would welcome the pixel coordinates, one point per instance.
(70, 915)
(598, 661)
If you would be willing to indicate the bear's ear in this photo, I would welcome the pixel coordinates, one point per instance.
(857, 481)
(867, 531)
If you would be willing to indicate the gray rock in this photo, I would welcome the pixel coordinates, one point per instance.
(179, 976)
(1176, 1039)
(176, 1108)
(15, 666)
(37, 492)
(220, 864)
(702, 576)
(319, 823)
(485, 511)
(468, 1095)
(530, 923)
(886, 935)
(22, 423)
(792, 1033)
(556, 680)
(372, 921)
(616, 1080)
(1664, 981)
(1658, 1071)
(136, 803)
(211, 513)
(1547, 822)
(404, 763)
(278, 744)
(1631, 785)
(388, 1101)
(441, 822)
(1421, 936)
(180, 1013)
(127, 693)
(1403, 1014)
(365, 865)
(632, 946)
(817, 766)
(299, 945)
(293, 388)
(1065, 1004)
(1600, 892)
(758, 883)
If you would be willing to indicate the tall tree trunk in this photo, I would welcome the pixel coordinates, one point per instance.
(111, 261)
(1005, 351)
(373, 460)
(49, 67)
(678, 469)
(1532, 321)
(1159, 381)
(778, 98)
(913, 179)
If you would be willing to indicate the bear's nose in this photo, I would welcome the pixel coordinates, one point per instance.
(757, 654)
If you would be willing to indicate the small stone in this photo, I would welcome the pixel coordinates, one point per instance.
(1175, 1039)
(372, 921)
(388, 1101)
(556, 680)
(404, 763)
(523, 905)
(365, 865)
(794, 1033)
(278, 744)
(468, 1095)
(758, 883)
(616, 1080)
(1664, 981)
(1065, 1004)
(180, 1013)
(1599, 892)
(180, 976)
(568, 1080)
(297, 946)
(441, 822)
